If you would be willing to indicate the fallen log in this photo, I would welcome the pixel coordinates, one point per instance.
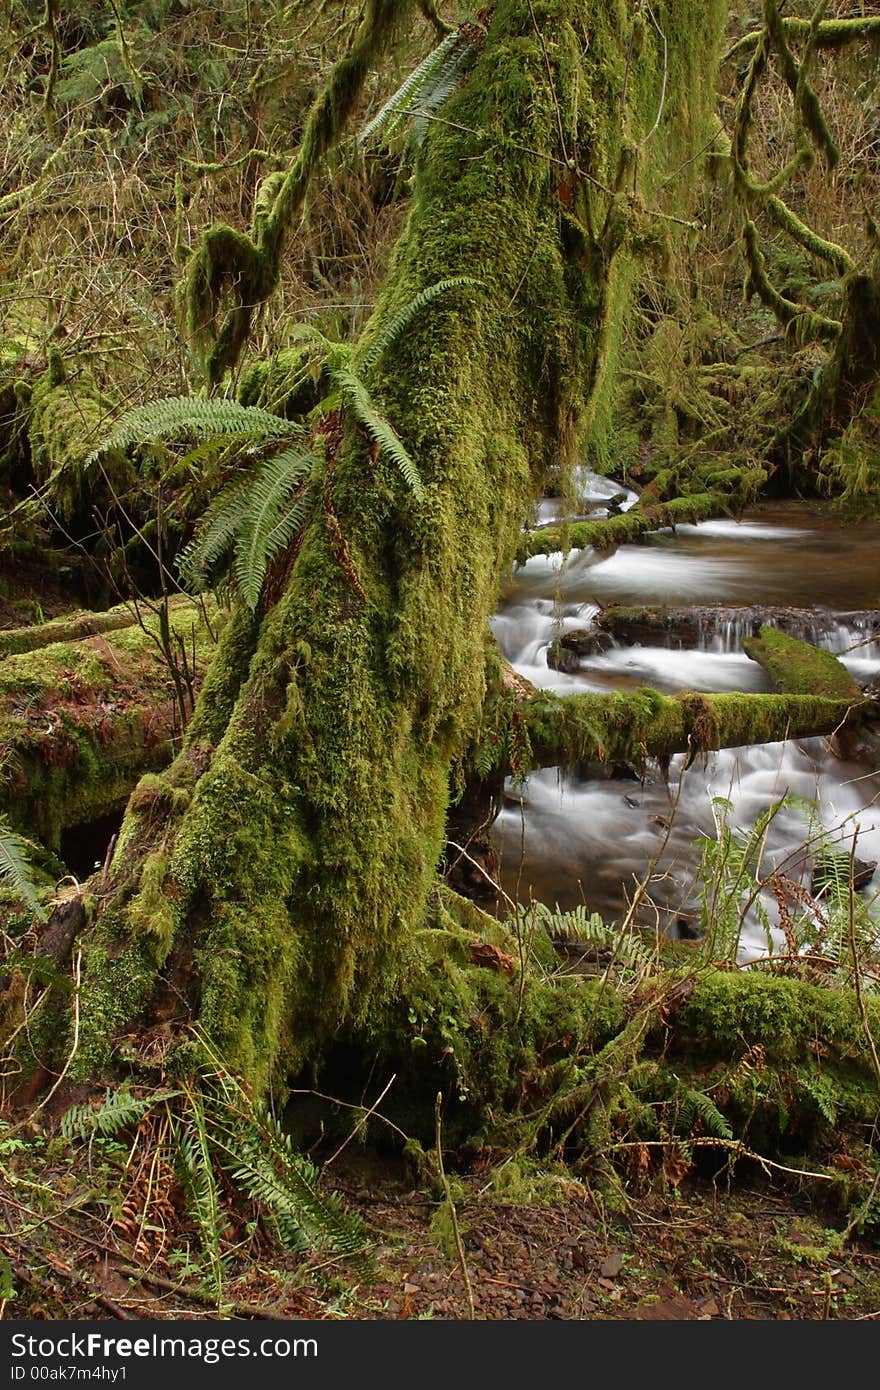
(74, 626)
(627, 526)
(539, 729)
(660, 504)
(562, 1057)
(81, 721)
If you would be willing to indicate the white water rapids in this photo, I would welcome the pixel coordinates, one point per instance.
(566, 840)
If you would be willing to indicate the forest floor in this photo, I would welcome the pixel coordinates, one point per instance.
(729, 1250)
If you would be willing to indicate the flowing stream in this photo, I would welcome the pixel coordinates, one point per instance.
(567, 840)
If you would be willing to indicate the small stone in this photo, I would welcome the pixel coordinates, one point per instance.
(412, 1288)
(611, 1265)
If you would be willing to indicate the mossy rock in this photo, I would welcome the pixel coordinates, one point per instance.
(799, 669)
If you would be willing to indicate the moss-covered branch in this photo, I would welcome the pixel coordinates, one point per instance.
(546, 730)
(652, 625)
(245, 268)
(800, 320)
(830, 33)
(632, 525)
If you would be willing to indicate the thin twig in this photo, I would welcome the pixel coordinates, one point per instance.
(453, 1215)
(362, 1121)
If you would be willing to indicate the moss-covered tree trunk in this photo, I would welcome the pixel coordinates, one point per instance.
(269, 884)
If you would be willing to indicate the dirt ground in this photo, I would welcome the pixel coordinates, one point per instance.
(705, 1250)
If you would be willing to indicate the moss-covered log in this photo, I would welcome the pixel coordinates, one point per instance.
(781, 1063)
(635, 524)
(81, 721)
(546, 730)
(75, 626)
(283, 889)
(797, 668)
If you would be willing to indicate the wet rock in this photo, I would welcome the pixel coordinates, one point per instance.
(564, 654)
(614, 505)
(560, 658)
(694, 626)
(833, 868)
(585, 641)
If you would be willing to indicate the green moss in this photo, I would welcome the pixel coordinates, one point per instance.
(800, 669)
(68, 417)
(152, 912)
(81, 720)
(732, 1011)
(546, 730)
(291, 383)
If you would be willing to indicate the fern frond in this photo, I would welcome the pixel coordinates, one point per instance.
(267, 516)
(699, 1111)
(408, 312)
(254, 517)
(189, 417)
(200, 1186)
(286, 1184)
(15, 871)
(119, 1110)
(407, 97)
(358, 398)
(578, 924)
(440, 84)
(332, 352)
(215, 533)
(821, 1090)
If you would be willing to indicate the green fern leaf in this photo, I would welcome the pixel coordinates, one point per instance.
(287, 1185)
(267, 496)
(200, 1185)
(406, 98)
(253, 517)
(357, 397)
(703, 1110)
(119, 1110)
(260, 1159)
(440, 83)
(15, 871)
(578, 924)
(408, 312)
(189, 417)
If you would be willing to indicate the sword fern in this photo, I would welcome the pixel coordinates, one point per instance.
(275, 490)
(426, 88)
(15, 871)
